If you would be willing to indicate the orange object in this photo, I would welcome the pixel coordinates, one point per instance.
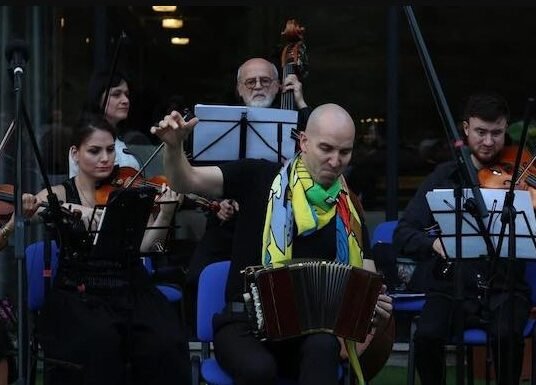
(123, 177)
(499, 174)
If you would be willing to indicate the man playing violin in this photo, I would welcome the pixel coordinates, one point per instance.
(93, 302)
(485, 120)
(326, 147)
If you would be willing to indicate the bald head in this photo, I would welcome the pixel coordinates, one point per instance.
(250, 79)
(327, 142)
(329, 117)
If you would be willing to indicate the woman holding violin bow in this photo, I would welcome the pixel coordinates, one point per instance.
(85, 314)
(98, 308)
(484, 125)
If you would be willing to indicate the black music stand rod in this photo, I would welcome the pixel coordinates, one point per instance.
(466, 171)
(508, 218)
(17, 55)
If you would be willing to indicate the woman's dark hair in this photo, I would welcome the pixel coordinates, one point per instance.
(488, 106)
(90, 124)
(97, 87)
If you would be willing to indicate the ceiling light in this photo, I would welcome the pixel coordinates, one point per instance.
(164, 8)
(180, 40)
(172, 23)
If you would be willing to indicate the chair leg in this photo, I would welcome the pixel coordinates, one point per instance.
(470, 365)
(196, 370)
(411, 354)
(533, 359)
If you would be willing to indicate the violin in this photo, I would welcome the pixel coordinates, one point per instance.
(499, 175)
(124, 177)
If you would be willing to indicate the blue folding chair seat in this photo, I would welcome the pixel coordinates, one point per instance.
(172, 293)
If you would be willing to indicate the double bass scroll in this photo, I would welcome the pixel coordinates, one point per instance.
(293, 58)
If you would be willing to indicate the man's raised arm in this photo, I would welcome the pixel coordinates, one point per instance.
(182, 176)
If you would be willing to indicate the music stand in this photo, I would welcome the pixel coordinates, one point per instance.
(442, 203)
(119, 237)
(237, 132)
(123, 224)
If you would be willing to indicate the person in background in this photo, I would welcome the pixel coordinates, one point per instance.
(485, 119)
(257, 85)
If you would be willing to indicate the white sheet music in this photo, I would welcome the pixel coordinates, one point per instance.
(217, 135)
(442, 204)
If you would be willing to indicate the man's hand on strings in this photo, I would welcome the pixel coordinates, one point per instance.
(291, 83)
(228, 208)
(173, 129)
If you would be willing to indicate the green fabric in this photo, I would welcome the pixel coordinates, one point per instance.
(322, 198)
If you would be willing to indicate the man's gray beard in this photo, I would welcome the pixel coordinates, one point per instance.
(264, 103)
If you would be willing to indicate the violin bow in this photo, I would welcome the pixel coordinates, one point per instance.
(115, 59)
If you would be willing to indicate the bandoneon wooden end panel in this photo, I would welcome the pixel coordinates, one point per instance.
(281, 317)
(357, 308)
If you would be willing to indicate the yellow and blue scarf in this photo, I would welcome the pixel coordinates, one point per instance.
(295, 198)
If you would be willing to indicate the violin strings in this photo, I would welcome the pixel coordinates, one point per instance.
(526, 169)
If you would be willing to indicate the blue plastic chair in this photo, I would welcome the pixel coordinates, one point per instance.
(384, 232)
(36, 284)
(170, 291)
(35, 265)
(411, 303)
(211, 300)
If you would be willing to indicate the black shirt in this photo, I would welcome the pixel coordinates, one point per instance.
(248, 182)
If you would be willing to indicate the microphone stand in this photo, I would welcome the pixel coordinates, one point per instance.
(61, 219)
(467, 177)
(508, 218)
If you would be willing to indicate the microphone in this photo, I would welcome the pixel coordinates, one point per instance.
(17, 55)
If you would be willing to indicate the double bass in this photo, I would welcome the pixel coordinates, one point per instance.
(293, 59)
(375, 350)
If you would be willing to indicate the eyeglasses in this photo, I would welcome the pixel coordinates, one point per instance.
(263, 80)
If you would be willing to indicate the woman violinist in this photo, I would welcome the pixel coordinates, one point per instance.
(87, 312)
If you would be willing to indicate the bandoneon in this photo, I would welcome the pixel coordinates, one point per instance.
(312, 296)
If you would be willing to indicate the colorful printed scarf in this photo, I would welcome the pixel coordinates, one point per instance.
(311, 208)
(296, 198)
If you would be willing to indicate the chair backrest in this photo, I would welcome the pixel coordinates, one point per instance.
(35, 264)
(384, 232)
(210, 297)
